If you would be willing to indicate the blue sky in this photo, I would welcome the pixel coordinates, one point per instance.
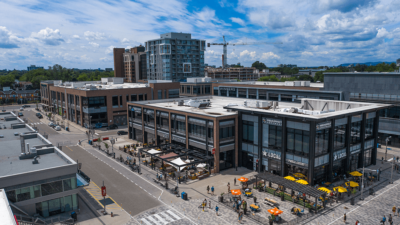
(81, 34)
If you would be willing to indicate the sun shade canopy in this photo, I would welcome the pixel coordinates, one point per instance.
(340, 189)
(290, 178)
(308, 190)
(243, 179)
(352, 184)
(302, 182)
(356, 174)
(236, 192)
(275, 211)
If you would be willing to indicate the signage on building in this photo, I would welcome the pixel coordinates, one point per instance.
(295, 162)
(271, 155)
(274, 122)
(213, 151)
(338, 155)
(227, 89)
(324, 125)
(103, 191)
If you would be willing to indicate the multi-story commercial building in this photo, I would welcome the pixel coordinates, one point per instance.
(33, 67)
(175, 56)
(38, 178)
(101, 102)
(238, 73)
(135, 64)
(372, 87)
(19, 96)
(316, 138)
(310, 72)
(130, 64)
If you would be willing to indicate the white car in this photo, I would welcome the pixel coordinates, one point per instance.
(57, 128)
(51, 124)
(21, 109)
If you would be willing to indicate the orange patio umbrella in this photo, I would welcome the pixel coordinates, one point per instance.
(243, 179)
(275, 211)
(236, 192)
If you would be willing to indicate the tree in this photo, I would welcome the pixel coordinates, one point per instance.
(83, 77)
(306, 77)
(319, 76)
(268, 78)
(259, 65)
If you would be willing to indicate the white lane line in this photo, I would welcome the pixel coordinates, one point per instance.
(173, 214)
(160, 219)
(145, 221)
(162, 191)
(167, 217)
(152, 219)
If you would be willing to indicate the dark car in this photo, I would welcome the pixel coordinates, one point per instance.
(26, 106)
(20, 114)
(3, 110)
(38, 115)
(112, 126)
(122, 132)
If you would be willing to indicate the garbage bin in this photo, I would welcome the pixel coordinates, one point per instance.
(74, 216)
(352, 201)
(67, 129)
(184, 195)
(90, 142)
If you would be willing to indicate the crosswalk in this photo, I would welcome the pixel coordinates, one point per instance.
(161, 218)
(36, 123)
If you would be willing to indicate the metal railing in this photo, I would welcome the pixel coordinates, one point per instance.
(29, 220)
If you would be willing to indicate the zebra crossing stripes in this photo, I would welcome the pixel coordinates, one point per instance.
(36, 123)
(161, 218)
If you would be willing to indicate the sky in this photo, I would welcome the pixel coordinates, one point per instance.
(82, 34)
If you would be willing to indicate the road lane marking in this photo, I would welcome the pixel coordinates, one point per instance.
(69, 148)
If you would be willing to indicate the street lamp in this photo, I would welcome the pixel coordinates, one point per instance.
(112, 145)
(391, 173)
(90, 126)
(362, 184)
(387, 140)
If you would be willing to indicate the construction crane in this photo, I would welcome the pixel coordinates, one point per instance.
(225, 44)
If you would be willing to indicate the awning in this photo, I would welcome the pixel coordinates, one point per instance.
(201, 165)
(178, 161)
(153, 152)
(80, 181)
(169, 155)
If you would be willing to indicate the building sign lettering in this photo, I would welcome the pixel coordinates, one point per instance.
(340, 155)
(274, 122)
(297, 163)
(271, 155)
(227, 89)
(324, 125)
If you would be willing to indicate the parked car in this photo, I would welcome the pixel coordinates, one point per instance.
(51, 124)
(122, 132)
(57, 128)
(21, 109)
(26, 106)
(3, 110)
(112, 126)
(38, 115)
(20, 114)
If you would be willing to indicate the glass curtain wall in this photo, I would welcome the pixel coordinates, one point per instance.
(339, 139)
(321, 142)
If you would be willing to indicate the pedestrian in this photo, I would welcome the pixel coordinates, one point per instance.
(204, 204)
(397, 159)
(357, 222)
(209, 204)
(344, 218)
(394, 210)
(212, 190)
(237, 207)
(208, 189)
(229, 187)
(383, 220)
(398, 210)
(239, 216)
(216, 210)
(390, 219)
(234, 181)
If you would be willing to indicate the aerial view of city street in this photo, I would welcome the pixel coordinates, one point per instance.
(180, 112)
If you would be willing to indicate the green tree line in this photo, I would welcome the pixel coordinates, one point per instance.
(56, 72)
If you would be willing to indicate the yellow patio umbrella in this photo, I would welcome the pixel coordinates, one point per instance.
(324, 189)
(356, 174)
(299, 175)
(302, 182)
(340, 189)
(352, 184)
(290, 178)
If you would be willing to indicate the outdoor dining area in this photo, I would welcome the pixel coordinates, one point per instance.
(176, 162)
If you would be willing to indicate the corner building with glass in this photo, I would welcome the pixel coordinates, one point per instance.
(320, 140)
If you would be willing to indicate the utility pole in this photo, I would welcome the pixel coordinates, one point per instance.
(387, 140)
(112, 145)
(391, 174)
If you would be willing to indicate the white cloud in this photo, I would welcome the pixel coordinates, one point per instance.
(94, 44)
(109, 50)
(76, 36)
(125, 40)
(91, 36)
(238, 21)
(382, 32)
(7, 39)
(247, 53)
(48, 36)
(305, 53)
(269, 55)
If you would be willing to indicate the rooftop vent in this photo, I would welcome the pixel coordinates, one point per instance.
(257, 104)
(35, 161)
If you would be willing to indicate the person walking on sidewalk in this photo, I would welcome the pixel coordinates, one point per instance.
(390, 219)
(394, 210)
(383, 220)
(212, 190)
(398, 210)
(208, 189)
(209, 204)
(216, 210)
(234, 181)
(229, 187)
(344, 218)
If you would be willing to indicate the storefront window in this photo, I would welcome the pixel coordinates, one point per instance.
(321, 142)
(275, 167)
(248, 132)
(353, 162)
(51, 188)
(339, 139)
(57, 206)
(356, 129)
(367, 157)
(320, 174)
(369, 128)
(298, 141)
(338, 167)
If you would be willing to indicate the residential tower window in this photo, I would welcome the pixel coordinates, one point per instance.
(115, 101)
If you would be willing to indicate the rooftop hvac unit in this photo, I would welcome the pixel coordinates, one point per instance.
(33, 150)
(180, 103)
(257, 104)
